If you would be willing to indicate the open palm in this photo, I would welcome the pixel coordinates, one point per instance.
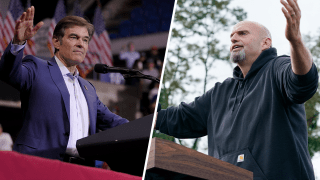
(292, 13)
(24, 29)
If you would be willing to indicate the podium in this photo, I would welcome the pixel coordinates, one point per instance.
(168, 160)
(123, 148)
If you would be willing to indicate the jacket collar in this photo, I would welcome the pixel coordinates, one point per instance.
(262, 59)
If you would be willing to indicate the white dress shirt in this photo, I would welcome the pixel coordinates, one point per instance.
(79, 114)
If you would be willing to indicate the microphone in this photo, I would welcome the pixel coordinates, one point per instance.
(126, 73)
(102, 68)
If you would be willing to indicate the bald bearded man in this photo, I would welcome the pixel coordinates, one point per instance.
(256, 120)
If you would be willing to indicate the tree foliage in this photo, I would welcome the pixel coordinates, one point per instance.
(194, 41)
(312, 112)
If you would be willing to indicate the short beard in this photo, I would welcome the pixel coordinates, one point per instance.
(238, 56)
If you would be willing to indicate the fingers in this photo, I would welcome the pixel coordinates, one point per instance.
(287, 15)
(288, 7)
(32, 13)
(28, 14)
(21, 19)
(291, 7)
(23, 16)
(37, 27)
(294, 6)
(18, 25)
(292, 13)
(296, 1)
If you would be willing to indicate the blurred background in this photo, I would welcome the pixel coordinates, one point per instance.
(198, 53)
(128, 33)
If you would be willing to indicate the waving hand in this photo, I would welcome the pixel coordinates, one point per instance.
(301, 60)
(24, 29)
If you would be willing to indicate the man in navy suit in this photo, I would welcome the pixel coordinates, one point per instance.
(58, 106)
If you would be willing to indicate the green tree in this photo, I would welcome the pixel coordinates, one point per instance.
(206, 19)
(312, 114)
(202, 20)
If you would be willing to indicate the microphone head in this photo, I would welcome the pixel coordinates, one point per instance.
(100, 68)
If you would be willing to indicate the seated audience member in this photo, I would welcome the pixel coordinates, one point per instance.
(130, 56)
(154, 55)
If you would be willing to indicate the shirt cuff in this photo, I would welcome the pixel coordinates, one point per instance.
(310, 77)
(15, 48)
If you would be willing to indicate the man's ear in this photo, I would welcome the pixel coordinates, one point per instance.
(56, 42)
(266, 43)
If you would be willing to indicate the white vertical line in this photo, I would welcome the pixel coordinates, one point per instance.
(155, 111)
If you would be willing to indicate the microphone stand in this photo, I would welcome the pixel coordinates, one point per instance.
(137, 74)
(126, 73)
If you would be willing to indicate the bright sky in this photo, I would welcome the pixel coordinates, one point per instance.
(269, 14)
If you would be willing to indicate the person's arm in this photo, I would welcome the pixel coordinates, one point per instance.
(296, 76)
(16, 48)
(294, 88)
(12, 70)
(301, 60)
(106, 119)
(186, 120)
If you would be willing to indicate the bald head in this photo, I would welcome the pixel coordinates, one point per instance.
(261, 30)
(248, 40)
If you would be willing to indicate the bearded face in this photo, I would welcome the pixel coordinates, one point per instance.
(248, 40)
(238, 56)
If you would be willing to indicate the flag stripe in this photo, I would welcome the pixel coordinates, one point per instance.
(59, 13)
(8, 27)
(102, 40)
(2, 44)
(13, 14)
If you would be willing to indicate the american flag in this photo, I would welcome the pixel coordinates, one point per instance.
(101, 39)
(59, 13)
(14, 12)
(99, 50)
(91, 57)
(2, 44)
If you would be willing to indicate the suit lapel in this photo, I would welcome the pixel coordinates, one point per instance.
(90, 96)
(59, 81)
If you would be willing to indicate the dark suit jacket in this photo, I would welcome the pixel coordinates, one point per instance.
(45, 105)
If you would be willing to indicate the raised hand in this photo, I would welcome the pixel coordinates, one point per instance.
(24, 29)
(301, 59)
(293, 15)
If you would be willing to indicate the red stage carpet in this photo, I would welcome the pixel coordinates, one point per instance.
(16, 166)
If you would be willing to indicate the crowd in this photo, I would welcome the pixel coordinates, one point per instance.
(148, 63)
